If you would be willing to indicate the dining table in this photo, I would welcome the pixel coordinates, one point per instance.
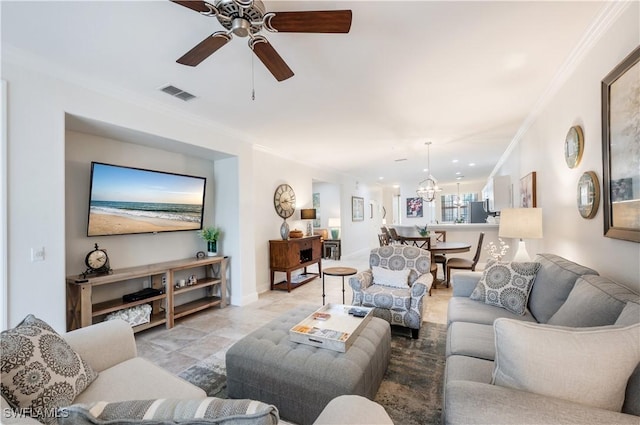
(424, 242)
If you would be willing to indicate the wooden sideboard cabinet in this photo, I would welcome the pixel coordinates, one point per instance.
(210, 272)
(294, 254)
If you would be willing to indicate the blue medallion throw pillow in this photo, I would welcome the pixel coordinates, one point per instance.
(506, 285)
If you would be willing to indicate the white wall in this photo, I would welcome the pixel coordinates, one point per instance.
(329, 202)
(269, 171)
(243, 189)
(359, 236)
(36, 182)
(566, 233)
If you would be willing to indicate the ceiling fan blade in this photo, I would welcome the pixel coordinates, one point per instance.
(325, 21)
(270, 58)
(197, 5)
(204, 49)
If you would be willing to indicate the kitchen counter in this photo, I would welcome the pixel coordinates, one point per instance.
(406, 230)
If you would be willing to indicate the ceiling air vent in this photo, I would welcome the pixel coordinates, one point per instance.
(400, 159)
(176, 92)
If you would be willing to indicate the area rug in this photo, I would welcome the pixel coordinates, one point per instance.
(411, 391)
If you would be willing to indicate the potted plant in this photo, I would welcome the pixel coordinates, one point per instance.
(423, 231)
(211, 235)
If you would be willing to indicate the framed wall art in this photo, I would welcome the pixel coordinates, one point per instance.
(414, 207)
(573, 146)
(528, 191)
(316, 204)
(621, 149)
(588, 194)
(357, 208)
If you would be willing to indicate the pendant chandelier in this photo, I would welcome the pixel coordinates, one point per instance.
(428, 188)
(457, 201)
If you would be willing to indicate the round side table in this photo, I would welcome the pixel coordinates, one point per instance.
(337, 271)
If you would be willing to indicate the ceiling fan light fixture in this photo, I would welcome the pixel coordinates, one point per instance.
(240, 27)
(213, 11)
(246, 18)
(243, 3)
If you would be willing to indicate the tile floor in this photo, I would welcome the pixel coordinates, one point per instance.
(204, 337)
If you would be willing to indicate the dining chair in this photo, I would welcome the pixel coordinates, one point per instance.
(441, 236)
(464, 263)
(395, 238)
(385, 232)
(382, 238)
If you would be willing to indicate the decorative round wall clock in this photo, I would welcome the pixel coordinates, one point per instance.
(284, 201)
(588, 195)
(573, 146)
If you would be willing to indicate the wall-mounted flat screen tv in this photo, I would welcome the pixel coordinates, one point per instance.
(126, 200)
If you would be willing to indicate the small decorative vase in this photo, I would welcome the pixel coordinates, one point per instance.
(284, 230)
(212, 248)
(335, 234)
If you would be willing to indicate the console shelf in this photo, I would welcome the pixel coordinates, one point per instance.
(210, 272)
(193, 306)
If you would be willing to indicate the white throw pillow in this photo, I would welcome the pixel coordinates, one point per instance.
(393, 278)
(590, 366)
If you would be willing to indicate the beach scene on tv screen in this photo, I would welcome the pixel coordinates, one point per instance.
(128, 200)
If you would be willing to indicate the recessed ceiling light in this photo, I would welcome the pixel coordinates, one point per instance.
(454, 161)
(380, 178)
(472, 164)
(458, 173)
(459, 177)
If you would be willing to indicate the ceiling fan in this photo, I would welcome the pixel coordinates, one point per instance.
(246, 18)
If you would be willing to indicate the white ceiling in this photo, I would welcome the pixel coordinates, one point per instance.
(463, 75)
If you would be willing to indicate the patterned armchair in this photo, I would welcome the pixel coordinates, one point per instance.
(397, 305)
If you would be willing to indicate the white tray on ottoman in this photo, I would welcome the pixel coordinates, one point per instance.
(331, 327)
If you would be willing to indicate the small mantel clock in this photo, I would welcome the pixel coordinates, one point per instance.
(97, 262)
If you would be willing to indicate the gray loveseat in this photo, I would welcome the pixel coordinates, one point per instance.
(110, 349)
(564, 294)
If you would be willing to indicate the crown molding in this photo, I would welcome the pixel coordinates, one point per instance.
(608, 15)
(21, 58)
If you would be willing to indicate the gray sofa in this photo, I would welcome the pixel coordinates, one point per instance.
(565, 296)
(110, 349)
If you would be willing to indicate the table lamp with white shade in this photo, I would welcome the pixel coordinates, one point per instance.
(521, 223)
(334, 225)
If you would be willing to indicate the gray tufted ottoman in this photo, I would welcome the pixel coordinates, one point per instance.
(300, 380)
